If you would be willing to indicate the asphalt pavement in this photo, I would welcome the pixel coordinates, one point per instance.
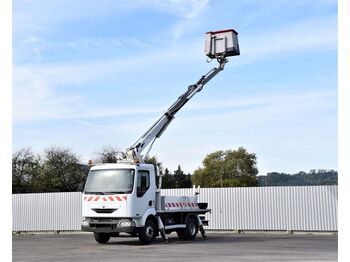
(217, 247)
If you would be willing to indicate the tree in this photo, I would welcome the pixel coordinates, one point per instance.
(168, 179)
(227, 168)
(109, 154)
(182, 180)
(25, 171)
(314, 177)
(57, 170)
(61, 171)
(154, 161)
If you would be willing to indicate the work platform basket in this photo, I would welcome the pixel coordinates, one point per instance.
(221, 43)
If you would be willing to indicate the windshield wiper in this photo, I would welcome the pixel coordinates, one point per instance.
(95, 193)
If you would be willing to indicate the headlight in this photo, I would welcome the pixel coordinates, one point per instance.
(85, 223)
(125, 223)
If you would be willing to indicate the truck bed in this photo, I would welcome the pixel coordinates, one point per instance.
(197, 211)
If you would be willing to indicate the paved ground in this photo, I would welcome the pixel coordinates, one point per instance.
(217, 247)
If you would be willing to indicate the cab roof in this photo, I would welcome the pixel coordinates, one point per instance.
(119, 166)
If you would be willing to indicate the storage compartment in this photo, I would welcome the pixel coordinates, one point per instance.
(221, 43)
(179, 203)
(203, 205)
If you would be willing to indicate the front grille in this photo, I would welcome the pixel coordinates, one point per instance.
(103, 219)
(104, 210)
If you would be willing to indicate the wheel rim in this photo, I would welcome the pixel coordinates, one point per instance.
(192, 229)
(149, 231)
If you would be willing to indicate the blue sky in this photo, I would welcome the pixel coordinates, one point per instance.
(88, 74)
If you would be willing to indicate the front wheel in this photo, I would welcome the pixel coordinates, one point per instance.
(102, 238)
(148, 232)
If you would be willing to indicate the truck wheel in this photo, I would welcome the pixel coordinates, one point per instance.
(191, 230)
(181, 234)
(148, 232)
(102, 238)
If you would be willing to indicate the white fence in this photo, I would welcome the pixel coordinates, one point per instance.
(303, 208)
(46, 211)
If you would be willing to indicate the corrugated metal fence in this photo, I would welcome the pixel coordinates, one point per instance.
(46, 211)
(304, 208)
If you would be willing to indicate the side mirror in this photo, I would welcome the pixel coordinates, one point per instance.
(159, 176)
(158, 172)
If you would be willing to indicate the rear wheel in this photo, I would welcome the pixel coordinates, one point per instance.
(191, 230)
(180, 234)
(102, 238)
(148, 232)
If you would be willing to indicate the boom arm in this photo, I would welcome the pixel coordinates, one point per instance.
(157, 129)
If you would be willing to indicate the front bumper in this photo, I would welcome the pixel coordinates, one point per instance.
(108, 225)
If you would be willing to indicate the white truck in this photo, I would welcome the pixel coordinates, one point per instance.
(123, 196)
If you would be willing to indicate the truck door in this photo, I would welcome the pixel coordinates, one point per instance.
(145, 196)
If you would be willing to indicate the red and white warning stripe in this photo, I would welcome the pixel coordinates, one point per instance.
(183, 205)
(105, 198)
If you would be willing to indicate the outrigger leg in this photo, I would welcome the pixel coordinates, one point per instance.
(162, 230)
(201, 228)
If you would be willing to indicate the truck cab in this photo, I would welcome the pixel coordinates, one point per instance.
(118, 198)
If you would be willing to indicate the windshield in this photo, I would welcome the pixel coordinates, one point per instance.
(110, 181)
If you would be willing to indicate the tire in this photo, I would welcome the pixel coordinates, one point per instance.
(148, 232)
(191, 230)
(181, 234)
(102, 238)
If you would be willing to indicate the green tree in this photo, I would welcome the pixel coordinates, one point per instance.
(25, 171)
(109, 154)
(168, 179)
(182, 180)
(314, 177)
(57, 170)
(154, 161)
(61, 171)
(230, 168)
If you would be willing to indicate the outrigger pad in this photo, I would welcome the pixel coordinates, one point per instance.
(201, 229)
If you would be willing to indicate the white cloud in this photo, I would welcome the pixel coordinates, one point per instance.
(267, 124)
(45, 12)
(312, 35)
(183, 8)
(34, 85)
(35, 95)
(250, 121)
(284, 131)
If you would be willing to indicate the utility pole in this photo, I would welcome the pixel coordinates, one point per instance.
(222, 158)
(221, 180)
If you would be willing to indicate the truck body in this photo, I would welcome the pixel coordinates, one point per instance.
(123, 197)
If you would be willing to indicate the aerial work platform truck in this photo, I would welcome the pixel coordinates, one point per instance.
(123, 196)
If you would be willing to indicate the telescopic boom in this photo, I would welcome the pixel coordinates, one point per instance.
(218, 45)
(157, 129)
